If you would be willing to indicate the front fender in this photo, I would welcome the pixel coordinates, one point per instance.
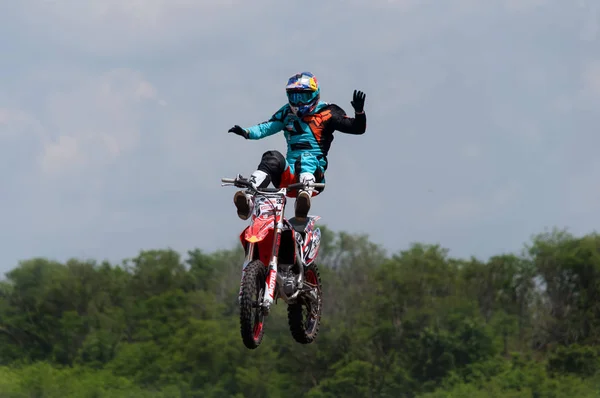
(258, 230)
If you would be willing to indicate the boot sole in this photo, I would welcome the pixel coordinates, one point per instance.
(302, 207)
(243, 209)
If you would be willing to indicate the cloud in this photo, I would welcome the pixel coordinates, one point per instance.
(114, 117)
(589, 27)
(471, 151)
(591, 77)
(119, 27)
(21, 137)
(475, 209)
(523, 5)
(95, 121)
(15, 122)
(583, 193)
(62, 154)
(587, 96)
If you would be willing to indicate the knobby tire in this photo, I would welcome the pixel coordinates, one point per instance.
(251, 317)
(305, 330)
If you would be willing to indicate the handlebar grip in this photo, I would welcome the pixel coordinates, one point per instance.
(299, 185)
(228, 180)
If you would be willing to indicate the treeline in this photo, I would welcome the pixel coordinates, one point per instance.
(418, 323)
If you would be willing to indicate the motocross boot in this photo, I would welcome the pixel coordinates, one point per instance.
(302, 205)
(243, 203)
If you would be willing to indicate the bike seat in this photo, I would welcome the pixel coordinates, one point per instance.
(299, 226)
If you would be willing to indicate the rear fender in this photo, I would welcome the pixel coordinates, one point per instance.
(310, 225)
(309, 240)
(311, 247)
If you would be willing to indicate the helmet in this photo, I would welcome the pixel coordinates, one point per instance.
(303, 93)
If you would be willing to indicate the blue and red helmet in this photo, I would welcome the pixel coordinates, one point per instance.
(303, 93)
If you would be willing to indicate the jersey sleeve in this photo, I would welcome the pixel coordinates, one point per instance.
(339, 121)
(272, 126)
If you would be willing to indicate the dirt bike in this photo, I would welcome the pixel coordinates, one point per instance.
(279, 263)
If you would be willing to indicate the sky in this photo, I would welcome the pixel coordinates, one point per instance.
(482, 120)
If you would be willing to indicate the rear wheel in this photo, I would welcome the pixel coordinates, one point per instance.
(251, 315)
(304, 316)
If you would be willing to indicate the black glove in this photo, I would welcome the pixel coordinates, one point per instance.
(239, 131)
(358, 101)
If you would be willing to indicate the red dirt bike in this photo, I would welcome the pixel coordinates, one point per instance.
(279, 263)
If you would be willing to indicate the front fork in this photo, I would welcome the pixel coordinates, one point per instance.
(271, 280)
(247, 260)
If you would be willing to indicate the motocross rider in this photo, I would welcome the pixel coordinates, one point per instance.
(308, 125)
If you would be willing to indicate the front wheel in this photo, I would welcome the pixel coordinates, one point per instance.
(251, 314)
(304, 316)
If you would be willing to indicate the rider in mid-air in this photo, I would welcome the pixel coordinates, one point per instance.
(308, 125)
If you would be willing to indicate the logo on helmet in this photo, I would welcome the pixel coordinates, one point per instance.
(303, 93)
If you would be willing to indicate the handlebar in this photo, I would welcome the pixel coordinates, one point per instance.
(241, 182)
(300, 185)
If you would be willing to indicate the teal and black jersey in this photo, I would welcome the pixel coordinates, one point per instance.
(311, 134)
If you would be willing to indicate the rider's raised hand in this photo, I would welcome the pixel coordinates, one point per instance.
(358, 101)
(239, 131)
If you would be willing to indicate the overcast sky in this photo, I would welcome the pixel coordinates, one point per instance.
(482, 119)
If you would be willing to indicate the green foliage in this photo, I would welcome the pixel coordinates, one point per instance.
(416, 323)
